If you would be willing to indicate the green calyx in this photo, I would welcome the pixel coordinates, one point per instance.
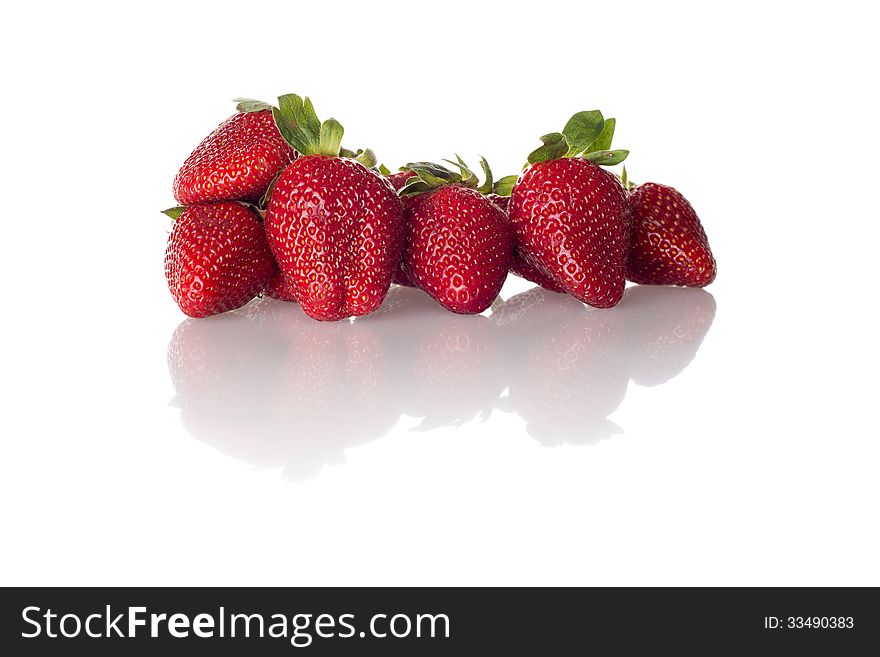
(300, 126)
(251, 105)
(628, 184)
(174, 212)
(504, 186)
(430, 176)
(587, 135)
(363, 155)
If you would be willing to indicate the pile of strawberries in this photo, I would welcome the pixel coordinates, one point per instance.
(271, 203)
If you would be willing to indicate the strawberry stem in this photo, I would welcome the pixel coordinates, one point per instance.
(587, 135)
(429, 176)
(251, 105)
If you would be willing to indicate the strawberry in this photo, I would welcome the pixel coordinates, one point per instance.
(400, 276)
(518, 264)
(398, 181)
(237, 161)
(217, 258)
(570, 216)
(668, 244)
(278, 288)
(501, 201)
(458, 243)
(334, 225)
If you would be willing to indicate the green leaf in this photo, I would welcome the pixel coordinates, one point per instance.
(308, 118)
(429, 175)
(251, 105)
(603, 141)
(330, 138)
(174, 212)
(385, 171)
(298, 123)
(486, 187)
(468, 178)
(434, 170)
(433, 181)
(415, 186)
(582, 130)
(366, 157)
(555, 146)
(504, 186)
(628, 184)
(606, 158)
(285, 121)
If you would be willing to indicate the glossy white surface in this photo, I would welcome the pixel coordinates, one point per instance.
(725, 436)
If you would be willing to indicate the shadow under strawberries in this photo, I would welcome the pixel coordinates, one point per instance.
(273, 388)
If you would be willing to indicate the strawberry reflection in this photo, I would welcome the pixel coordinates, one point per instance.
(273, 388)
(568, 366)
(665, 327)
(448, 366)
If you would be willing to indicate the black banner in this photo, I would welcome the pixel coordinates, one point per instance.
(447, 621)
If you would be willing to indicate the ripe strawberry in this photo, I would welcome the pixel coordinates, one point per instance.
(668, 245)
(334, 225)
(237, 161)
(279, 289)
(400, 276)
(501, 201)
(518, 265)
(458, 243)
(570, 216)
(217, 258)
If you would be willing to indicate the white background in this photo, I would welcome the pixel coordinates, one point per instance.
(300, 455)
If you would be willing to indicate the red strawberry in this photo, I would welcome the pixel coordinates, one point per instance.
(570, 216)
(518, 265)
(237, 161)
(501, 201)
(668, 244)
(400, 276)
(217, 258)
(334, 226)
(458, 243)
(279, 289)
